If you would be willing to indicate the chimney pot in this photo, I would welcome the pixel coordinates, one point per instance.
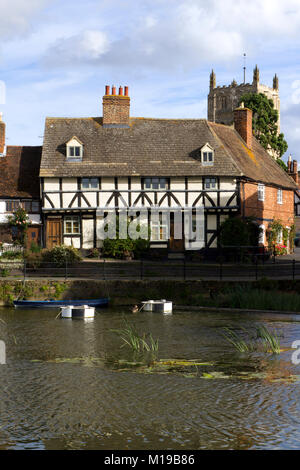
(107, 89)
(116, 109)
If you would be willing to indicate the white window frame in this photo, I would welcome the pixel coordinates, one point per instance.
(261, 238)
(261, 192)
(280, 237)
(209, 184)
(279, 196)
(149, 182)
(162, 231)
(89, 180)
(71, 219)
(207, 155)
(72, 145)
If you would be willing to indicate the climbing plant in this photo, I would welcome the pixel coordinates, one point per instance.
(20, 220)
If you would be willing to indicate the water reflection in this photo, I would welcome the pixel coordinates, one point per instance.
(88, 404)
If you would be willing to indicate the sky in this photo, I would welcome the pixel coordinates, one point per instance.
(56, 56)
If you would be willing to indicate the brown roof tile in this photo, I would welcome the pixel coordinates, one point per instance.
(155, 147)
(19, 170)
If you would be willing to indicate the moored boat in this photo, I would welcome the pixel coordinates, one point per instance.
(102, 302)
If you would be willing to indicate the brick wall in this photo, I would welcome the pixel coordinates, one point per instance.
(269, 209)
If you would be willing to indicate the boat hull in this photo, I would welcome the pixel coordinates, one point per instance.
(60, 303)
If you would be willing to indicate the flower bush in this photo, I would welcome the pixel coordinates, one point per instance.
(280, 249)
(19, 219)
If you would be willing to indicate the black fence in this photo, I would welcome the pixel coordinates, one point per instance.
(147, 269)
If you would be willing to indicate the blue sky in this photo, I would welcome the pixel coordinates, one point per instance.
(56, 56)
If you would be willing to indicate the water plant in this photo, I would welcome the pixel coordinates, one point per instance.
(237, 341)
(267, 341)
(136, 341)
(270, 340)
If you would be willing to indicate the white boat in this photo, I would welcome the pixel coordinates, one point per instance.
(81, 311)
(157, 306)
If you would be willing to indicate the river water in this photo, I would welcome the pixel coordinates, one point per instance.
(56, 393)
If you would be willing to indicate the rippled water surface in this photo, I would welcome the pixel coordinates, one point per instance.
(91, 405)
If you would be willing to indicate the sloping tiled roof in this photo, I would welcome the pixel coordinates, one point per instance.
(255, 164)
(19, 172)
(153, 147)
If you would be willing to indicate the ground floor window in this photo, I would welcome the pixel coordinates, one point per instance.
(261, 237)
(159, 230)
(71, 225)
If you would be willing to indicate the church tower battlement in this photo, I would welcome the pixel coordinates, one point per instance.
(223, 100)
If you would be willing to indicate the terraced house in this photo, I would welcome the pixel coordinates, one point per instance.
(95, 165)
(19, 187)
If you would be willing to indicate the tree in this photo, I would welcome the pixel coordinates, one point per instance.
(264, 123)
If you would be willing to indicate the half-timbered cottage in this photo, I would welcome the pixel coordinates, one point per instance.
(94, 165)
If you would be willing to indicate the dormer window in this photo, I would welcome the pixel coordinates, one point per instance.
(74, 150)
(207, 155)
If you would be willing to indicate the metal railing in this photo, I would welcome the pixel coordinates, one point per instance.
(146, 269)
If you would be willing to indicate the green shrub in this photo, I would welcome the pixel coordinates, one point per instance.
(33, 260)
(12, 255)
(94, 253)
(61, 254)
(35, 248)
(4, 272)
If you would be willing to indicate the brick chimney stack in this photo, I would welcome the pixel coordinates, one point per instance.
(292, 166)
(294, 174)
(2, 135)
(116, 108)
(243, 124)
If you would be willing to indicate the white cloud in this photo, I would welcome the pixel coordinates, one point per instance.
(177, 34)
(88, 46)
(16, 16)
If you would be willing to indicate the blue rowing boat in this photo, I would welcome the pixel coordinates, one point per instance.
(103, 302)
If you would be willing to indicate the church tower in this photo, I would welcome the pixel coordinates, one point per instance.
(223, 100)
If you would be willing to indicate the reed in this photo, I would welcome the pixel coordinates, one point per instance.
(268, 341)
(135, 341)
(239, 343)
(271, 341)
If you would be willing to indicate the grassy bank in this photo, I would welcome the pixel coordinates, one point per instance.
(260, 295)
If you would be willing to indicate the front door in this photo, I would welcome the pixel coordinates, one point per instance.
(33, 236)
(175, 244)
(53, 233)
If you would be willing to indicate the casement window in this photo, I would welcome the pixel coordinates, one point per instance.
(261, 237)
(155, 183)
(210, 183)
(159, 228)
(71, 225)
(74, 150)
(31, 207)
(90, 183)
(12, 206)
(279, 196)
(261, 192)
(280, 237)
(207, 155)
(159, 231)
